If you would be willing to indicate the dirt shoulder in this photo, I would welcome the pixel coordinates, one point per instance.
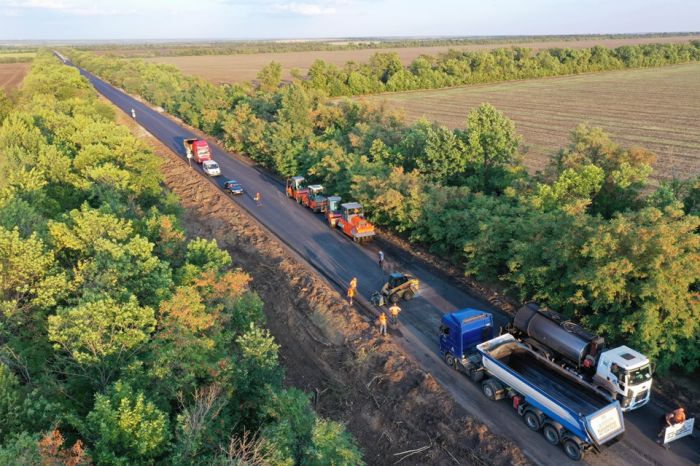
(392, 407)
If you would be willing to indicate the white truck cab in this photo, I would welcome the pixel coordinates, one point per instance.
(626, 373)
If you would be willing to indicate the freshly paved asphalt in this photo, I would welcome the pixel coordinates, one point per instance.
(339, 259)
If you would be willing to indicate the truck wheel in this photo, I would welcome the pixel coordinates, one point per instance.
(408, 295)
(551, 434)
(532, 421)
(573, 450)
(394, 298)
(489, 389)
(450, 360)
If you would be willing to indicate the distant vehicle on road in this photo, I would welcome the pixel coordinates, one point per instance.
(198, 149)
(211, 168)
(233, 187)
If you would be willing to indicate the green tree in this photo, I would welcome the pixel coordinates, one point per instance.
(572, 192)
(270, 77)
(445, 158)
(331, 445)
(626, 170)
(102, 335)
(126, 428)
(492, 145)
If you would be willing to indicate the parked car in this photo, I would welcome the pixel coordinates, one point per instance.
(211, 168)
(233, 187)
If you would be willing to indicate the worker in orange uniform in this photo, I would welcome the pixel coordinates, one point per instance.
(677, 416)
(351, 294)
(382, 323)
(353, 283)
(258, 199)
(394, 310)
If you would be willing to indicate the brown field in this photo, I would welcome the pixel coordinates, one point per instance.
(658, 109)
(12, 74)
(244, 67)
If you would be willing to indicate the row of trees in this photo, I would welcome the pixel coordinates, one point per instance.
(585, 237)
(384, 72)
(121, 341)
(267, 46)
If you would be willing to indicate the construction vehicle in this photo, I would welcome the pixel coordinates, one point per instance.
(197, 149)
(550, 400)
(352, 222)
(315, 200)
(398, 286)
(296, 188)
(333, 210)
(621, 374)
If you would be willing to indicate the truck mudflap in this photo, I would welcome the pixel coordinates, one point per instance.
(605, 424)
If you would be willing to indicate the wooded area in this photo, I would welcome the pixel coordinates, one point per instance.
(583, 238)
(385, 72)
(121, 341)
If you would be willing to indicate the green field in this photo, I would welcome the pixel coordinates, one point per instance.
(655, 108)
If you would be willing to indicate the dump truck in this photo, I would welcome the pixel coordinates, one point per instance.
(296, 188)
(197, 149)
(398, 286)
(567, 413)
(621, 373)
(315, 200)
(333, 210)
(352, 222)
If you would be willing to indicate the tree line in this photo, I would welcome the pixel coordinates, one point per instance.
(367, 43)
(123, 342)
(384, 72)
(586, 237)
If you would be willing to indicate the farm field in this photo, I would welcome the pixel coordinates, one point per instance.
(12, 74)
(245, 67)
(657, 108)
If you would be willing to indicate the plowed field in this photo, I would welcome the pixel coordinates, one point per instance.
(245, 67)
(658, 109)
(12, 74)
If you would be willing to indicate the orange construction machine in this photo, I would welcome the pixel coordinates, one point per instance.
(333, 210)
(315, 200)
(352, 222)
(296, 188)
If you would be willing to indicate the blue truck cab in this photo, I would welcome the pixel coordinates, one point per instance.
(460, 332)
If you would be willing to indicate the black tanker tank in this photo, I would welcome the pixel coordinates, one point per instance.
(564, 337)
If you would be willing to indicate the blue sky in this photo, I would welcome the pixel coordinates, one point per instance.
(242, 19)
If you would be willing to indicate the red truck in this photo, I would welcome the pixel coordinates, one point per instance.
(197, 149)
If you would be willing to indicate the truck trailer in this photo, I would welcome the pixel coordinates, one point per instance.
(567, 413)
(621, 373)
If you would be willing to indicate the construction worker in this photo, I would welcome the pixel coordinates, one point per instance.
(133, 113)
(258, 199)
(677, 416)
(381, 260)
(351, 293)
(394, 310)
(382, 323)
(353, 283)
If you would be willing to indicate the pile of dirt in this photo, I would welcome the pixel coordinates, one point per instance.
(394, 409)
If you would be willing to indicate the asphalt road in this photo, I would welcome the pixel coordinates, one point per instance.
(339, 260)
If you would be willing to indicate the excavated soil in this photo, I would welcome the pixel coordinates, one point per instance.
(396, 411)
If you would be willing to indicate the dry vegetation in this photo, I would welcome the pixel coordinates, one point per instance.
(655, 108)
(12, 74)
(244, 67)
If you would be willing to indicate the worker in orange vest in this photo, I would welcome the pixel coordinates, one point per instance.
(394, 310)
(677, 416)
(382, 323)
(351, 294)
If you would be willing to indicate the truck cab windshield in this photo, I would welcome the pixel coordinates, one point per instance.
(637, 376)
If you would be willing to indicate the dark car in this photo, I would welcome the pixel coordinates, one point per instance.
(233, 187)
